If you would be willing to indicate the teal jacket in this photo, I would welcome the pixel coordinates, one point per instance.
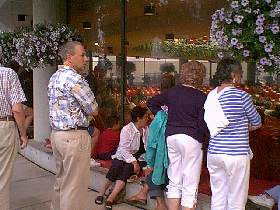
(156, 151)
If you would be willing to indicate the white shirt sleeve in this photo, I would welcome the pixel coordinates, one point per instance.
(124, 150)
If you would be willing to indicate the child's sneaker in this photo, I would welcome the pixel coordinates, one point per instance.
(262, 200)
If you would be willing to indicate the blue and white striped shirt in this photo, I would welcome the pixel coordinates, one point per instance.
(239, 109)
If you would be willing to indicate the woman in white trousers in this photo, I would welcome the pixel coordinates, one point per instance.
(185, 133)
(228, 159)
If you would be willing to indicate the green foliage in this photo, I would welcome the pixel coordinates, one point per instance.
(276, 112)
(130, 67)
(249, 30)
(198, 51)
(139, 96)
(8, 47)
(104, 63)
(182, 49)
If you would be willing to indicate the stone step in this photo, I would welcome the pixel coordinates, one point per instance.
(38, 154)
(29, 178)
(41, 156)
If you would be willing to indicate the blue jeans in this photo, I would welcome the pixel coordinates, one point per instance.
(275, 194)
(154, 190)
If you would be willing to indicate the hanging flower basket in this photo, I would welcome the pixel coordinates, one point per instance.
(9, 50)
(33, 47)
(249, 30)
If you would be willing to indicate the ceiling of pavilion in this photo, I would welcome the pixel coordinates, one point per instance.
(184, 18)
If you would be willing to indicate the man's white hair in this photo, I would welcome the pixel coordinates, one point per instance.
(67, 48)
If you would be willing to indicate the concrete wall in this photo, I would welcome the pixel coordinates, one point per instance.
(44, 11)
(41, 107)
(36, 11)
(49, 11)
(9, 11)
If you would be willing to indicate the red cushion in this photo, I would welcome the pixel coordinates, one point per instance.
(204, 184)
(256, 186)
(265, 145)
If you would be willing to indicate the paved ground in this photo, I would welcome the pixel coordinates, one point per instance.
(32, 188)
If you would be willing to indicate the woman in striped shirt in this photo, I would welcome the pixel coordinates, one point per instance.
(228, 158)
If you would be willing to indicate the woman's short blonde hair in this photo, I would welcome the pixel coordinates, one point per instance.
(192, 73)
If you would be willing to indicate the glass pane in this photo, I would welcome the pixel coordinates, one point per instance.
(162, 35)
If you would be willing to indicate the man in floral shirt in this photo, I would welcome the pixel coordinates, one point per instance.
(70, 102)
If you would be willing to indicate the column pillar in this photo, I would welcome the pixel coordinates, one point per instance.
(49, 11)
(44, 11)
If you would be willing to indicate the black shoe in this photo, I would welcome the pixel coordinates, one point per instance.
(99, 200)
(108, 205)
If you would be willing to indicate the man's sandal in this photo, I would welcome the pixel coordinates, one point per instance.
(108, 205)
(138, 201)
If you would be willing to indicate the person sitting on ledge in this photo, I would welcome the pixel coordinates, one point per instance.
(109, 139)
(156, 156)
(128, 159)
(268, 198)
(94, 132)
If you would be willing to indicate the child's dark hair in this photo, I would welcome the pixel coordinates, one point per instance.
(167, 81)
(138, 112)
(224, 70)
(112, 120)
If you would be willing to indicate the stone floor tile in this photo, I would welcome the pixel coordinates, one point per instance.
(32, 187)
